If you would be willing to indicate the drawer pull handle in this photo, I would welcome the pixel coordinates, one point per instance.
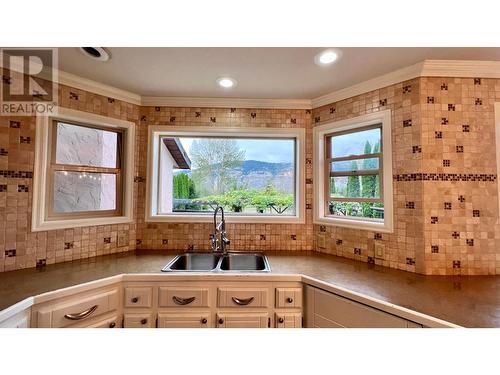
(183, 301)
(144, 321)
(281, 320)
(289, 300)
(242, 302)
(204, 321)
(135, 299)
(112, 325)
(81, 315)
(221, 321)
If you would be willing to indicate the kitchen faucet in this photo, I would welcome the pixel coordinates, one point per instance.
(219, 239)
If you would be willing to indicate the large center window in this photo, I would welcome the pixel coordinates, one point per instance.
(252, 175)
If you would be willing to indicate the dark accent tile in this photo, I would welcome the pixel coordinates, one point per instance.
(410, 261)
(139, 179)
(456, 264)
(430, 100)
(407, 123)
(40, 263)
(111, 100)
(233, 110)
(309, 161)
(262, 237)
(469, 242)
(322, 228)
(371, 260)
(213, 119)
(317, 119)
(157, 109)
(308, 111)
(446, 163)
(434, 219)
(15, 174)
(406, 89)
(447, 205)
(416, 149)
(190, 247)
(293, 237)
(197, 114)
(26, 140)
(444, 87)
(73, 96)
(253, 115)
(382, 102)
(333, 110)
(460, 149)
(3, 152)
(107, 239)
(68, 245)
(466, 128)
(293, 120)
(438, 135)
(434, 249)
(410, 205)
(138, 242)
(357, 251)
(308, 206)
(456, 235)
(338, 242)
(477, 81)
(164, 241)
(309, 181)
(377, 236)
(478, 101)
(10, 253)
(475, 213)
(143, 118)
(461, 198)
(444, 121)
(172, 119)
(451, 107)
(22, 188)
(7, 80)
(14, 124)
(3, 188)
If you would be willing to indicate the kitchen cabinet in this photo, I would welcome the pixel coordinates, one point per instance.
(139, 320)
(288, 320)
(185, 320)
(328, 310)
(243, 320)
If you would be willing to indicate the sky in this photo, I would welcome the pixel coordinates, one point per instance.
(268, 150)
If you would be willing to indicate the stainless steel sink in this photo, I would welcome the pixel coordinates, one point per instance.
(209, 262)
(193, 262)
(244, 262)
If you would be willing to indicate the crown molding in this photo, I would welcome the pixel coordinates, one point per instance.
(180, 101)
(95, 87)
(461, 68)
(397, 76)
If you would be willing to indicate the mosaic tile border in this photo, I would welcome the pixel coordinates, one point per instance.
(468, 177)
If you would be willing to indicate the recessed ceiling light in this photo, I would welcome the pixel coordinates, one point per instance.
(96, 53)
(226, 82)
(327, 57)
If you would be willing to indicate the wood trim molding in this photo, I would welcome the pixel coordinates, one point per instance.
(179, 101)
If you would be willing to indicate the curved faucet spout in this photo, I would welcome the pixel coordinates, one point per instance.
(219, 239)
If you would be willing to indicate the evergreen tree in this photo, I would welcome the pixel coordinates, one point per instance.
(353, 186)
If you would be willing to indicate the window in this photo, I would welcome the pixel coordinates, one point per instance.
(83, 171)
(254, 174)
(356, 172)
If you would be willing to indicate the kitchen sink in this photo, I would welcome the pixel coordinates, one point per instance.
(209, 262)
(244, 262)
(193, 262)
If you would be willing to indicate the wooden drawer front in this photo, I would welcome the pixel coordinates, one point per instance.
(183, 297)
(243, 320)
(138, 321)
(111, 322)
(201, 320)
(347, 313)
(288, 297)
(138, 297)
(242, 297)
(288, 320)
(87, 307)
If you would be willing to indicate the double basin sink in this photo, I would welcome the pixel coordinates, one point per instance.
(209, 262)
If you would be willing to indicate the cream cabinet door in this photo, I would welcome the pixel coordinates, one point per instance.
(138, 321)
(111, 322)
(184, 320)
(243, 320)
(288, 320)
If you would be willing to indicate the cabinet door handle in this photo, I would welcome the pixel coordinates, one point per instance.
(144, 321)
(81, 315)
(281, 320)
(183, 301)
(221, 321)
(289, 300)
(112, 325)
(242, 302)
(135, 299)
(204, 321)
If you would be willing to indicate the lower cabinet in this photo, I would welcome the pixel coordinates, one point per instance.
(139, 320)
(328, 310)
(111, 322)
(243, 320)
(288, 320)
(184, 320)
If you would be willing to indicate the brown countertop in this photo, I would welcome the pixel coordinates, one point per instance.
(470, 301)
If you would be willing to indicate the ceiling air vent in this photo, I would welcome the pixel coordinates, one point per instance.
(96, 53)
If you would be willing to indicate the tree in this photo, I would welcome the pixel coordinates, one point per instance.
(353, 187)
(211, 160)
(183, 187)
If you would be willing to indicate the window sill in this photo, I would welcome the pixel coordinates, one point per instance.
(355, 224)
(180, 218)
(76, 223)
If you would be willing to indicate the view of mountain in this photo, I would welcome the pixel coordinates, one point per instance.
(254, 174)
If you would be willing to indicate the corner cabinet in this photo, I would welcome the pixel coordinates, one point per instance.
(328, 310)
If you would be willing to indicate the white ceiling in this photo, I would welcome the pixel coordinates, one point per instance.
(273, 73)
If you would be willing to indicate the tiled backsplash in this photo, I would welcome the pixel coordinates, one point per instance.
(445, 182)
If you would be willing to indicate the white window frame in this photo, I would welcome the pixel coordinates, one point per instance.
(40, 221)
(319, 132)
(156, 132)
